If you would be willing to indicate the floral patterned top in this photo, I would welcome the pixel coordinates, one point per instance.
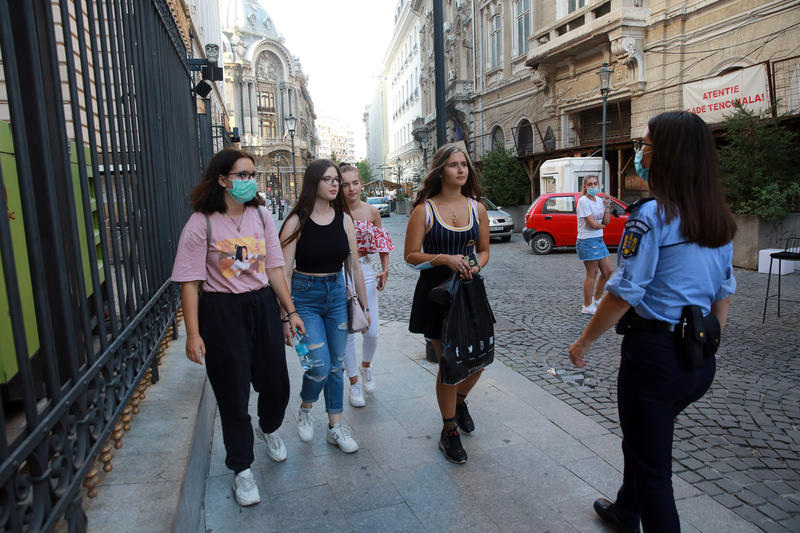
(372, 239)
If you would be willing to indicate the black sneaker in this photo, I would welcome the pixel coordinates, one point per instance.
(463, 419)
(450, 444)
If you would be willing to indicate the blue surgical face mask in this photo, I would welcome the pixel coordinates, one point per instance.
(643, 172)
(592, 191)
(243, 191)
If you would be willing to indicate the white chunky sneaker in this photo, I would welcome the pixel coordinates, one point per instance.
(356, 396)
(244, 488)
(369, 381)
(275, 447)
(305, 424)
(339, 436)
(589, 309)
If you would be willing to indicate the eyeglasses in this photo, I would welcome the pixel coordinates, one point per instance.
(331, 180)
(244, 176)
(639, 143)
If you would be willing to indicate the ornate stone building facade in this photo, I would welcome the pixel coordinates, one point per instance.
(264, 85)
(523, 74)
(403, 99)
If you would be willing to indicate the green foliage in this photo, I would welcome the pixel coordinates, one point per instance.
(367, 174)
(334, 158)
(505, 181)
(760, 166)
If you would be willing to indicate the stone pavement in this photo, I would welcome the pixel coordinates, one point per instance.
(739, 444)
(535, 463)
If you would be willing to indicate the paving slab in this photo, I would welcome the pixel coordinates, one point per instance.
(535, 462)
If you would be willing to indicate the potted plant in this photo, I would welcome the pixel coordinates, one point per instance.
(506, 183)
(759, 161)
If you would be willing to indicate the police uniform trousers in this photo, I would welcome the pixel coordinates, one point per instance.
(653, 386)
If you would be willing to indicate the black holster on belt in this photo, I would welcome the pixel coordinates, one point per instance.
(698, 336)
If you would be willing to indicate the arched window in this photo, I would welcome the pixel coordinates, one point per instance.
(498, 139)
(524, 138)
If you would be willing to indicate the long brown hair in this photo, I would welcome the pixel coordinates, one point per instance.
(209, 196)
(433, 180)
(685, 178)
(308, 196)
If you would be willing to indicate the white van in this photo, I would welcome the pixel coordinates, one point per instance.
(566, 174)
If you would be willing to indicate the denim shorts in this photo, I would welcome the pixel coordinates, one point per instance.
(591, 249)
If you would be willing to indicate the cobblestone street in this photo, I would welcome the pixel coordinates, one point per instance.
(740, 443)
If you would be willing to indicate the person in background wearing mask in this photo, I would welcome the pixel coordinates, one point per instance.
(235, 324)
(672, 286)
(593, 216)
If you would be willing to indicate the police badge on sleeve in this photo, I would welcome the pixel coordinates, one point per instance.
(634, 231)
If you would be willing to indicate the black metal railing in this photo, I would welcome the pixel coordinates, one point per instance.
(98, 157)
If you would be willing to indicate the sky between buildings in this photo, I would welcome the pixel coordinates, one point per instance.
(341, 45)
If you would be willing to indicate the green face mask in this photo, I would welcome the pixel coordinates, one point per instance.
(243, 191)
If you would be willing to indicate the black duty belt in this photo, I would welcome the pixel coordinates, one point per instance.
(633, 322)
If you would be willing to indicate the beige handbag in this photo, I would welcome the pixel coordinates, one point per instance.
(357, 319)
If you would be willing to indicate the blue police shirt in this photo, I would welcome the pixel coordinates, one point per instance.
(659, 271)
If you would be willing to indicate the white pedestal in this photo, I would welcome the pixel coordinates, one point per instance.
(786, 267)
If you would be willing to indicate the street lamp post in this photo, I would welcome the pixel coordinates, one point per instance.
(605, 83)
(291, 124)
(424, 143)
(399, 174)
(275, 197)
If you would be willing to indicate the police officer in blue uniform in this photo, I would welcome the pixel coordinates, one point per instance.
(669, 298)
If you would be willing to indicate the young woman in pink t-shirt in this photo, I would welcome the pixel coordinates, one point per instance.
(230, 249)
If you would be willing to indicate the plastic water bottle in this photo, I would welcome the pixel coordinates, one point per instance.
(300, 343)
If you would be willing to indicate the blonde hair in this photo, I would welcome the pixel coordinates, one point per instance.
(587, 178)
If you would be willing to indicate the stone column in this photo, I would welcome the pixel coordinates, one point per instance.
(254, 109)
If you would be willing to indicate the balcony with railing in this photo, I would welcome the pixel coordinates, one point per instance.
(584, 30)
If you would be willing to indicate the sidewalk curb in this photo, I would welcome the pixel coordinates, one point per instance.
(190, 512)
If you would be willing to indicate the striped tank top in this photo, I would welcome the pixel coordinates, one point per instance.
(442, 238)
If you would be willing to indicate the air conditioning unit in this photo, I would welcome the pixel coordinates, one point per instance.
(451, 75)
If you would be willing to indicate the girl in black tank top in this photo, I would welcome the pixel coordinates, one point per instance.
(317, 238)
(446, 224)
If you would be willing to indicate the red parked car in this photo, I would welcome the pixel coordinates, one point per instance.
(551, 221)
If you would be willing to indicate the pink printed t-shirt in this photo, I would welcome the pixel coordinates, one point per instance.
(237, 259)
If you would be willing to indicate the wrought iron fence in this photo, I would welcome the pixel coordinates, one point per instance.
(96, 162)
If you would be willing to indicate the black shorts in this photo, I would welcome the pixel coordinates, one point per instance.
(427, 316)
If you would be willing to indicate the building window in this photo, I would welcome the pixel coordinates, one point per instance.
(498, 139)
(495, 41)
(524, 138)
(266, 101)
(267, 127)
(522, 14)
(576, 4)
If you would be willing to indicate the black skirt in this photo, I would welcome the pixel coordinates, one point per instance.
(427, 316)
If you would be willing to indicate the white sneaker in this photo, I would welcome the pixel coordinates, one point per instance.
(595, 303)
(356, 396)
(589, 309)
(275, 447)
(338, 436)
(305, 424)
(369, 381)
(244, 488)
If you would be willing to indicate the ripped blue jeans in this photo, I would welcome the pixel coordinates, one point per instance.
(321, 302)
